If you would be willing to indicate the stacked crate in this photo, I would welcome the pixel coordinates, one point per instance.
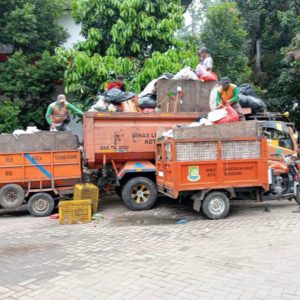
(87, 191)
(75, 211)
(79, 210)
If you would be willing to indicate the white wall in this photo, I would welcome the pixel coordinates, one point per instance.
(73, 29)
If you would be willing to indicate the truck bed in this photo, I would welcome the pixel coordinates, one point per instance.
(126, 136)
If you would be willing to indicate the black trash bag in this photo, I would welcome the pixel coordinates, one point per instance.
(246, 89)
(257, 105)
(116, 96)
(166, 76)
(148, 101)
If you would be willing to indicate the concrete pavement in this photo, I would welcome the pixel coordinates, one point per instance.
(169, 252)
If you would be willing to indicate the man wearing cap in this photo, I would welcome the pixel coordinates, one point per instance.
(118, 84)
(206, 62)
(57, 114)
(228, 94)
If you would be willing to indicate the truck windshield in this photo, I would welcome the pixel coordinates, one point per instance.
(279, 138)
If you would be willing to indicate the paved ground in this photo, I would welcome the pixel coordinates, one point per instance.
(253, 254)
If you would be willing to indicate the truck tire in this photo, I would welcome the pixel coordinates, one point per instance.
(216, 205)
(11, 196)
(139, 193)
(41, 205)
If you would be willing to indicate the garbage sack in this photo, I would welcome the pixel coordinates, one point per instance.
(213, 98)
(150, 89)
(195, 124)
(217, 115)
(147, 101)
(257, 105)
(116, 96)
(210, 76)
(29, 130)
(186, 73)
(232, 116)
(100, 105)
(148, 110)
(204, 121)
(246, 89)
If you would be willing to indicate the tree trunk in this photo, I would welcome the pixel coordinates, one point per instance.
(258, 55)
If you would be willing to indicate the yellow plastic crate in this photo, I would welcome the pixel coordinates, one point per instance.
(87, 191)
(75, 211)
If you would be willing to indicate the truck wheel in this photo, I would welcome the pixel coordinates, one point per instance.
(11, 196)
(215, 206)
(41, 205)
(139, 193)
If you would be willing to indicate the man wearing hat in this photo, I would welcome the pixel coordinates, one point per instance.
(228, 94)
(57, 114)
(206, 62)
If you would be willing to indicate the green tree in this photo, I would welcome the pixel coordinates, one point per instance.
(224, 35)
(127, 27)
(271, 25)
(131, 37)
(29, 85)
(197, 13)
(30, 25)
(27, 78)
(9, 112)
(285, 90)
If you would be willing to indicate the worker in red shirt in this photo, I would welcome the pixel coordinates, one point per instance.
(118, 84)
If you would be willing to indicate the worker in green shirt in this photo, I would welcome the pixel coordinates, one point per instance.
(57, 114)
(228, 94)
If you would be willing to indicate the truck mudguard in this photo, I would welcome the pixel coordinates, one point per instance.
(136, 167)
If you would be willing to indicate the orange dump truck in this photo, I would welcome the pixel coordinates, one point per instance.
(120, 147)
(38, 178)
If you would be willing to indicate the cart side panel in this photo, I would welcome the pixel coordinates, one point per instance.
(32, 167)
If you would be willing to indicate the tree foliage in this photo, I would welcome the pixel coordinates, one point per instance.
(272, 27)
(127, 27)
(223, 34)
(30, 25)
(27, 78)
(130, 37)
(29, 84)
(85, 75)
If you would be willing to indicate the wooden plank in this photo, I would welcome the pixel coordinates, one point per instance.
(196, 93)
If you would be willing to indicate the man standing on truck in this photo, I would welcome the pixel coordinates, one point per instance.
(206, 62)
(228, 94)
(57, 114)
(118, 84)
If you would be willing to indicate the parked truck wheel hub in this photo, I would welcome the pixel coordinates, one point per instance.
(216, 206)
(140, 193)
(11, 196)
(41, 205)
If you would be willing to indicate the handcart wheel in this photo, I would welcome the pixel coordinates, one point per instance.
(41, 205)
(11, 196)
(216, 205)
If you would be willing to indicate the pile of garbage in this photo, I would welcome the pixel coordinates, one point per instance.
(113, 99)
(29, 130)
(248, 98)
